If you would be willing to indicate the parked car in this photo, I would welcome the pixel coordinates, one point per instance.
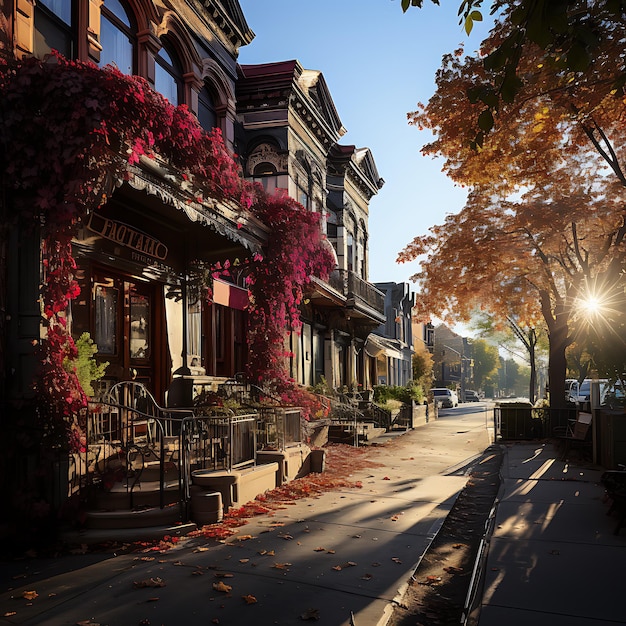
(445, 397)
(471, 396)
(615, 398)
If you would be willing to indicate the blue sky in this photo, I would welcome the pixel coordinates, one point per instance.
(378, 64)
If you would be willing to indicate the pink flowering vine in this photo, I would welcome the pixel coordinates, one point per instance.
(67, 130)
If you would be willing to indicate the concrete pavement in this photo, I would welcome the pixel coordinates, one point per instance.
(342, 557)
(553, 558)
(345, 557)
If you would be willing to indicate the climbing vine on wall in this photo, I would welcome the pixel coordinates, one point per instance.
(68, 132)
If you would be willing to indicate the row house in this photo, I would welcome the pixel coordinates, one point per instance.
(136, 253)
(392, 342)
(289, 142)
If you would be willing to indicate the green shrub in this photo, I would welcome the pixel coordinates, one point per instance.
(412, 391)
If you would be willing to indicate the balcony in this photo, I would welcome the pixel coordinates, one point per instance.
(346, 289)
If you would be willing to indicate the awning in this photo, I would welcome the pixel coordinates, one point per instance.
(377, 346)
(230, 295)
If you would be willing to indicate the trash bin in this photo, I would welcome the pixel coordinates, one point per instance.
(516, 420)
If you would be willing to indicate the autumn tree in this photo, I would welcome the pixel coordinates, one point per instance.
(422, 367)
(544, 224)
(569, 33)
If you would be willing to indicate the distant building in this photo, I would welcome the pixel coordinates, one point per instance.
(392, 342)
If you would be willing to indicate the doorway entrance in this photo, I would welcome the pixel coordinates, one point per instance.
(125, 327)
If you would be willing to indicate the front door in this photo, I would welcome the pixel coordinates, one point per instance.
(124, 324)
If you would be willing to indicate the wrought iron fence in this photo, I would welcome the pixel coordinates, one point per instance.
(279, 428)
(515, 422)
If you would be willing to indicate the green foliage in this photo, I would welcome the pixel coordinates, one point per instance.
(322, 388)
(422, 364)
(384, 393)
(86, 367)
(485, 357)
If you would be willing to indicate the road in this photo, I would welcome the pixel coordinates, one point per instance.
(343, 557)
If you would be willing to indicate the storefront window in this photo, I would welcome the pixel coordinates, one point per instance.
(139, 327)
(106, 299)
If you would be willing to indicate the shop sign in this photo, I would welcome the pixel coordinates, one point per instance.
(127, 236)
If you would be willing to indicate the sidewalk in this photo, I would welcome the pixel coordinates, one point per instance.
(553, 558)
(343, 557)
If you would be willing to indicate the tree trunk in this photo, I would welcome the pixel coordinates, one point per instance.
(557, 366)
(532, 342)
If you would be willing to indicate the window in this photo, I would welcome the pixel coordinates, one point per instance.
(350, 253)
(304, 196)
(265, 173)
(207, 115)
(106, 298)
(117, 37)
(54, 21)
(168, 76)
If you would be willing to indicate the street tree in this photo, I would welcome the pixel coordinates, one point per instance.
(485, 357)
(570, 34)
(544, 224)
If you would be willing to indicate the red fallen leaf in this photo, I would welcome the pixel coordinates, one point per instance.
(220, 586)
(310, 614)
(249, 599)
(456, 546)
(386, 478)
(150, 582)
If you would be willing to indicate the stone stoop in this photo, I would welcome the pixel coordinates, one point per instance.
(294, 462)
(238, 486)
(135, 518)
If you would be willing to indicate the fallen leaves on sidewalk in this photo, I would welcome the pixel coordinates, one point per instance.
(310, 614)
(29, 595)
(223, 587)
(149, 582)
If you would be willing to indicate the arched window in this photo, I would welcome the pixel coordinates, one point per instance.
(117, 36)
(168, 76)
(207, 116)
(54, 28)
(266, 174)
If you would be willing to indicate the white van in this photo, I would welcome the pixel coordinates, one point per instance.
(445, 398)
(578, 393)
